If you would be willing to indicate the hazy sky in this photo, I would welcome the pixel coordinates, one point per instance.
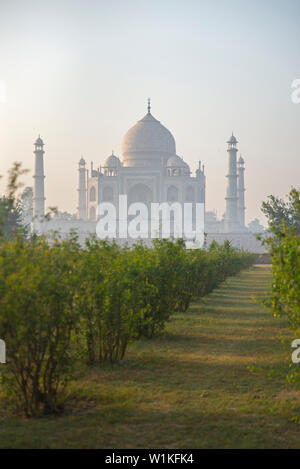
(79, 72)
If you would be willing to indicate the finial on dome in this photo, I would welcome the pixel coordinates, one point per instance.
(39, 141)
(149, 106)
(232, 140)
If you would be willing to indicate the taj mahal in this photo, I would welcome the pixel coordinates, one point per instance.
(150, 171)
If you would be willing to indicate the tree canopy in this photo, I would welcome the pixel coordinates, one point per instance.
(282, 213)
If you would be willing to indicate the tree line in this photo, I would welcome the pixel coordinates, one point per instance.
(284, 245)
(62, 304)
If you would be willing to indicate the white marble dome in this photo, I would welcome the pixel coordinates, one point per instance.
(175, 162)
(112, 162)
(186, 168)
(147, 143)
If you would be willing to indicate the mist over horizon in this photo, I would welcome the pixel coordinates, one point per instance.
(79, 74)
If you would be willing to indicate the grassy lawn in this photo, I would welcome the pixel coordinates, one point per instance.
(188, 388)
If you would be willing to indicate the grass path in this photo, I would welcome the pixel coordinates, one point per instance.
(189, 388)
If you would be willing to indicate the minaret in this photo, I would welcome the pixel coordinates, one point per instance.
(231, 215)
(82, 191)
(39, 194)
(201, 185)
(241, 192)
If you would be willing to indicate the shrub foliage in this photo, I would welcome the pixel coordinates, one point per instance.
(284, 245)
(60, 302)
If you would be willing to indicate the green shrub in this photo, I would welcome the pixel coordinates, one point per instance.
(111, 299)
(60, 303)
(37, 317)
(284, 245)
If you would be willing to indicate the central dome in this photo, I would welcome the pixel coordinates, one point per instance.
(147, 143)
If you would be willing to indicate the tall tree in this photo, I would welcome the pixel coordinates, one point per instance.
(282, 213)
(10, 207)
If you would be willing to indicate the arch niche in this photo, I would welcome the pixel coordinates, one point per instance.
(172, 194)
(108, 194)
(140, 193)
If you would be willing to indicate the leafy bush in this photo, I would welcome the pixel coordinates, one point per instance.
(110, 299)
(285, 299)
(60, 303)
(38, 284)
(284, 245)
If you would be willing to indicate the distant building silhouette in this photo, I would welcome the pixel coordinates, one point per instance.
(150, 171)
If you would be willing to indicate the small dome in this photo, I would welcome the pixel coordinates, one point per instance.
(232, 139)
(112, 162)
(175, 162)
(82, 161)
(187, 169)
(39, 141)
(241, 160)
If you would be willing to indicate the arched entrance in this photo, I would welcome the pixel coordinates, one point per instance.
(140, 193)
